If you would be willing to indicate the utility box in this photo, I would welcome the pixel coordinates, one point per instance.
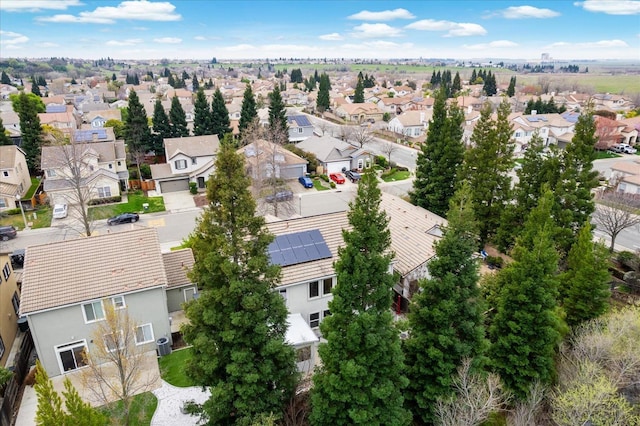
(164, 346)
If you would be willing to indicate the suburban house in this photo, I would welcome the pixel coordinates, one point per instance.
(189, 159)
(14, 173)
(97, 119)
(264, 159)
(626, 174)
(102, 166)
(552, 128)
(300, 128)
(411, 123)
(9, 308)
(105, 134)
(609, 132)
(64, 296)
(394, 105)
(180, 289)
(359, 113)
(64, 121)
(334, 155)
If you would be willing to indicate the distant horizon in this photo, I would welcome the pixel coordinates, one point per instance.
(138, 29)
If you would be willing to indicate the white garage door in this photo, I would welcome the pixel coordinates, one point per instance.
(337, 167)
(174, 185)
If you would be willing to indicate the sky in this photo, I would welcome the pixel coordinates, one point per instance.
(458, 29)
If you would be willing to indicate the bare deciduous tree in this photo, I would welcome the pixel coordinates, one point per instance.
(361, 135)
(476, 397)
(345, 132)
(116, 364)
(389, 148)
(615, 213)
(524, 413)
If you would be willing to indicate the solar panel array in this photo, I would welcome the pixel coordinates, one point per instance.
(299, 247)
(87, 135)
(301, 120)
(56, 108)
(536, 118)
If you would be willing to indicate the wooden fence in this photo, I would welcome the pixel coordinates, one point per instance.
(12, 390)
(145, 185)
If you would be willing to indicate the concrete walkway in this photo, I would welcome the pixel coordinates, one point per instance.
(171, 399)
(176, 201)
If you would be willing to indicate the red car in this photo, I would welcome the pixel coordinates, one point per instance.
(336, 177)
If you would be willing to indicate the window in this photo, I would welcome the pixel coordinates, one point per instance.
(327, 285)
(15, 301)
(190, 293)
(5, 173)
(71, 355)
(303, 354)
(119, 163)
(3, 203)
(326, 313)
(118, 302)
(144, 334)
(1, 347)
(283, 293)
(181, 164)
(518, 134)
(51, 173)
(194, 160)
(93, 311)
(300, 129)
(360, 163)
(110, 166)
(6, 271)
(104, 192)
(314, 290)
(314, 320)
(113, 341)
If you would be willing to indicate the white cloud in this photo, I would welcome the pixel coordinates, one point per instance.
(200, 38)
(375, 30)
(591, 44)
(140, 28)
(523, 12)
(492, 45)
(454, 29)
(331, 37)
(385, 15)
(611, 7)
(142, 10)
(168, 40)
(36, 5)
(48, 44)
(9, 38)
(127, 42)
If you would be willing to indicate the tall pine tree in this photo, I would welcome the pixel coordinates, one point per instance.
(161, 127)
(445, 316)
(4, 138)
(439, 158)
(178, 119)
(27, 106)
(136, 130)
(220, 115)
(202, 120)
(358, 97)
(361, 378)
(323, 102)
(277, 112)
(237, 326)
(249, 111)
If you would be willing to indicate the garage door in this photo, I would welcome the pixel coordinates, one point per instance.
(174, 185)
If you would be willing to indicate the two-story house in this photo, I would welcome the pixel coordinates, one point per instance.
(552, 128)
(98, 118)
(189, 159)
(411, 123)
(334, 155)
(14, 176)
(359, 113)
(64, 295)
(300, 128)
(264, 159)
(9, 308)
(101, 167)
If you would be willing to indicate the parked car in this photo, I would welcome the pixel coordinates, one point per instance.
(352, 176)
(305, 181)
(623, 148)
(123, 218)
(8, 232)
(279, 197)
(59, 211)
(336, 177)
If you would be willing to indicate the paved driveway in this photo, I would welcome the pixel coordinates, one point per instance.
(178, 201)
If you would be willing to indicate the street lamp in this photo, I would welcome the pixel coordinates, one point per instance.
(24, 218)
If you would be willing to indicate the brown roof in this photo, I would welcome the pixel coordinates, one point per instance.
(192, 146)
(176, 265)
(8, 156)
(630, 167)
(54, 156)
(73, 271)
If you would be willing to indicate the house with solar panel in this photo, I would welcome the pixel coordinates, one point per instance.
(101, 166)
(553, 128)
(300, 128)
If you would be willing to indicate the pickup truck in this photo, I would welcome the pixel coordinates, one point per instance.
(352, 176)
(623, 148)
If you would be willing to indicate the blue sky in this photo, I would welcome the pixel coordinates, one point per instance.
(181, 29)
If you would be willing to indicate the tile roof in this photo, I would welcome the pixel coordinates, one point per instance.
(192, 146)
(73, 271)
(176, 265)
(8, 156)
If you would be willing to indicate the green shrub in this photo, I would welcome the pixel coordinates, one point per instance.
(324, 178)
(145, 170)
(495, 261)
(11, 211)
(106, 200)
(402, 168)
(332, 185)
(381, 160)
(193, 187)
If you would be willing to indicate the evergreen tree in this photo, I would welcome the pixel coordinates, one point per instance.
(27, 106)
(525, 330)
(439, 158)
(161, 127)
(474, 76)
(171, 81)
(202, 120)
(584, 286)
(530, 107)
(178, 119)
(237, 326)
(511, 90)
(136, 130)
(73, 81)
(445, 316)
(77, 409)
(361, 378)
(5, 78)
(456, 86)
(49, 410)
(194, 83)
(4, 138)
(323, 102)
(220, 115)
(277, 112)
(486, 167)
(249, 110)
(358, 97)
(35, 89)
(113, 77)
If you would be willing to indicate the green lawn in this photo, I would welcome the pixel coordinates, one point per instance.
(142, 409)
(319, 185)
(396, 176)
(39, 218)
(133, 204)
(605, 154)
(172, 368)
(35, 183)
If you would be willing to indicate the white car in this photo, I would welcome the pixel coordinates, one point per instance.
(59, 211)
(624, 148)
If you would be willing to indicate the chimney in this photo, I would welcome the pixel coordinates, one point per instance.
(534, 112)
